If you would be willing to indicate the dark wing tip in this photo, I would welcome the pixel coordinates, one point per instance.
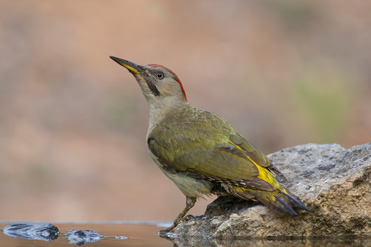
(282, 206)
(295, 202)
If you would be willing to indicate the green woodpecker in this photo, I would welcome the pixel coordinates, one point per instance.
(199, 151)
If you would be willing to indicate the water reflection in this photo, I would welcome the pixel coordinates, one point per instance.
(114, 234)
(49, 232)
(271, 243)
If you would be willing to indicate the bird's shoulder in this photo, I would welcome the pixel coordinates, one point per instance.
(197, 120)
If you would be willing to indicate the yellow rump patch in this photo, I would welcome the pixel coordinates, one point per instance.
(264, 173)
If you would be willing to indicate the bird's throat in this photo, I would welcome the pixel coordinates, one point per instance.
(158, 111)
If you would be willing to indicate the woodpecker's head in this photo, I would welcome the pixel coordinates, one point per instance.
(160, 85)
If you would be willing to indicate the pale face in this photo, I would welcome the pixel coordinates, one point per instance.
(160, 85)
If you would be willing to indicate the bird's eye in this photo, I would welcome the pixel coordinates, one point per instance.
(159, 75)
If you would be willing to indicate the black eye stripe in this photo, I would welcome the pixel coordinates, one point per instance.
(152, 87)
(150, 78)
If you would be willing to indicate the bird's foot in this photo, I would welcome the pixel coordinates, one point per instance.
(187, 218)
(164, 232)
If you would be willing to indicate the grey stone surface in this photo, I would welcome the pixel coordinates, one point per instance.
(334, 183)
(44, 232)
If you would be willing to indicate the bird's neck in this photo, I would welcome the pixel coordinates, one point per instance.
(160, 110)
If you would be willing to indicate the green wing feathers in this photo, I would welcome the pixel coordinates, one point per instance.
(205, 146)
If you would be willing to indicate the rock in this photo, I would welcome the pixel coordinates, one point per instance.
(333, 182)
(80, 237)
(44, 232)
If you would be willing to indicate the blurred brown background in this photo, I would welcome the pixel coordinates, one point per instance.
(73, 122)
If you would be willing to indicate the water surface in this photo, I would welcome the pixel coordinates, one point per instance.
(145, 234)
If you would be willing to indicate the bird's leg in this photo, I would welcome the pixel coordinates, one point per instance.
(190, 202)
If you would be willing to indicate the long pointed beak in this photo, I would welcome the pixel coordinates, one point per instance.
(132, 67)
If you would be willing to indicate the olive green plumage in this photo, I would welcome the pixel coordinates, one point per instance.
(199, 151)
(197, 141)
(198, 144)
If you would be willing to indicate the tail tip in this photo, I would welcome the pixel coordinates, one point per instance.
(296, 202)
(284, 207)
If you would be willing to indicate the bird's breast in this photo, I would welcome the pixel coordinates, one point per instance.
(191, 187)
